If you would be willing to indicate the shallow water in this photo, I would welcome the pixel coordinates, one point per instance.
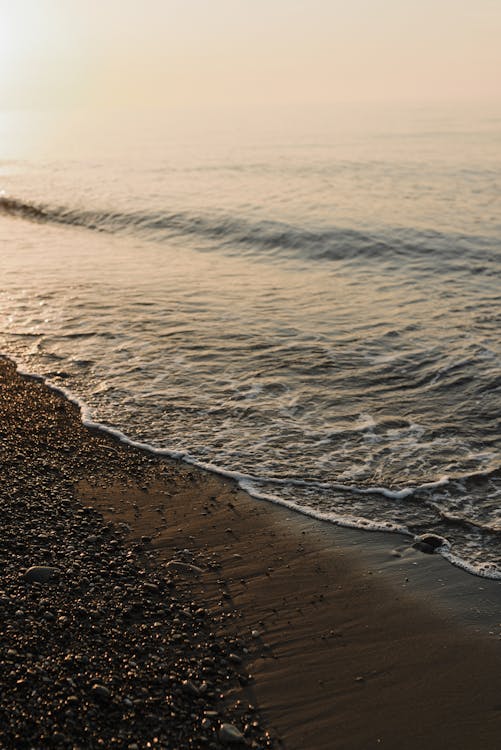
(315, 313)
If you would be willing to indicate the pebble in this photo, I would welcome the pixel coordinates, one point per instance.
(424, 547)
(101, 692)
(229, 734)
(41, 574)
(191, 688)
(104, 658)
(176, 566)
(428, 543)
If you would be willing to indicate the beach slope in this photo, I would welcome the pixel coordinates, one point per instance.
(172, 604)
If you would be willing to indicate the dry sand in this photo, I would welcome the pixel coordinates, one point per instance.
(339, 656)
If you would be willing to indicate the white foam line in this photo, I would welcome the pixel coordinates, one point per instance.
(484, 570)
(392, 494)
(244, 481)
(351, 522)
(88, 422)
(385, 491)
(238, 476)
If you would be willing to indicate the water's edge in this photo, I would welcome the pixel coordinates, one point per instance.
(243, 482)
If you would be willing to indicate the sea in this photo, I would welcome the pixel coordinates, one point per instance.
(310, 304)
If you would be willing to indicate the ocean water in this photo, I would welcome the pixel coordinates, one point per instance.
(311, 307)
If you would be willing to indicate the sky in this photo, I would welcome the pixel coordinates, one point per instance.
(171, 54)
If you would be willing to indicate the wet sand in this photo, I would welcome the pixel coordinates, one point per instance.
(338, 648)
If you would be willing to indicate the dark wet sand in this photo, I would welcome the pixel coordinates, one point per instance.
(340, 653)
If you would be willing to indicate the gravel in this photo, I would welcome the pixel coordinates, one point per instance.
(97, 649)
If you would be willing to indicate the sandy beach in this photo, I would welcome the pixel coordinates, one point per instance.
(250, 375)
(178, 612)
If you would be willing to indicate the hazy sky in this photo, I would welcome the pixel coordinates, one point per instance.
(174, 53)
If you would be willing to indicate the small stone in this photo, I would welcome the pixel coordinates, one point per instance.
(41, 574)
(428, 543)
(423, 547)
(101, 692)
(176, 566)
(433, 540)
(190, 687)
(229, 734)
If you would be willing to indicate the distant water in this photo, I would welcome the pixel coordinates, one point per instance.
(316, 313)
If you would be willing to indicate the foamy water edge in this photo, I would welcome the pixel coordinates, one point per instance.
(244, 482)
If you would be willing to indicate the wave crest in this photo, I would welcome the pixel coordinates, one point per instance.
(265, 236)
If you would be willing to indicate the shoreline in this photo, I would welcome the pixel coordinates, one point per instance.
(340, 647)
(405, 536)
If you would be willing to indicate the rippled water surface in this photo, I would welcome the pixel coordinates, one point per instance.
(318, 314)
